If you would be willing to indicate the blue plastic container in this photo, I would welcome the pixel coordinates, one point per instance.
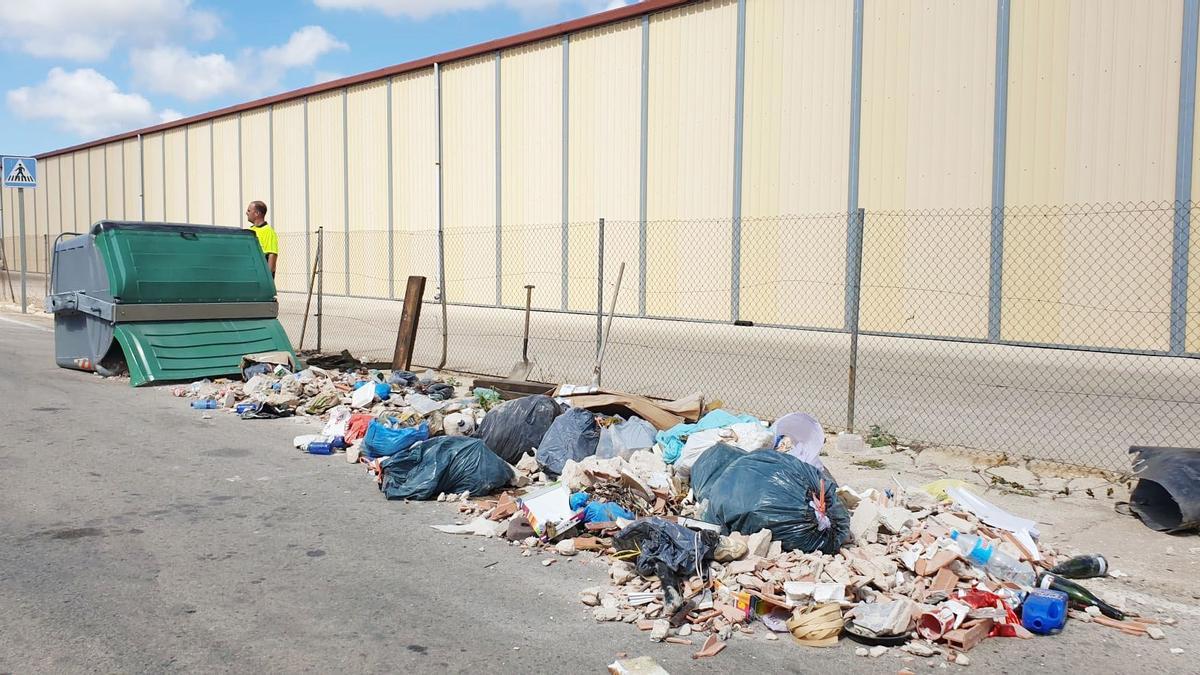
(320, 448)
(245, 407)
(1044, 611)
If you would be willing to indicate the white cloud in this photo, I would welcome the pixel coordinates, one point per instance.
(423, 9)
(87, 30)
(169, 115)
(84, 102)
(303, 48)
(196, 77)
(192, 77)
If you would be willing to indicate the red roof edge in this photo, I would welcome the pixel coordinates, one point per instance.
(575, 25)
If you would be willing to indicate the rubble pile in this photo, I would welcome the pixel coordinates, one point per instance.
(659, 494)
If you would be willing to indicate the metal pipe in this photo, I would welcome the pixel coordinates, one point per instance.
(441, 210)
(600, 287)
(612, 308)
(141, 184)
(21, 226)
(320, 281)
(855, 295)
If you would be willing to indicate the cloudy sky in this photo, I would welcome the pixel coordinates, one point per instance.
(77, 70)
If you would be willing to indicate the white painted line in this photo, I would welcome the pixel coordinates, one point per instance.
(27, 325)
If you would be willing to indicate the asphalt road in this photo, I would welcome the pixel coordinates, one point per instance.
(137, 536)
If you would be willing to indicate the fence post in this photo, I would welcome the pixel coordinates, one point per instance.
(1181, 231)
(320, 281)
(441, 221)
(599, 286)
(854, 295)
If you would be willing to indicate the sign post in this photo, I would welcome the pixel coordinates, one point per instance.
(21, 173)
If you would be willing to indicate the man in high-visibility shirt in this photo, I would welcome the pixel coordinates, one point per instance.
(256, 213)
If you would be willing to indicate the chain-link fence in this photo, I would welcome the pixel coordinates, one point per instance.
(1055, 333)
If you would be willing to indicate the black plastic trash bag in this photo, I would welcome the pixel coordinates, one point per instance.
(573, 435)
(443, 464)
(1167, 495)
(514, 428)
(671, 552)
(797, 502)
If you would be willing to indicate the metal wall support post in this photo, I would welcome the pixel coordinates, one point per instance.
(45, 248)
(346, 186)
(212, 176)
(21, 230)
(1181, 239)
(162, 146)
(599, 286)
(499, 193)
(390, 200)
(441, 211)
(241, 190)
(307, 191)
(739, 121)
(644, 170)
(853, 274)
(187, 177)
(858, 218)
(999, 145)
(320, 282)
(566, 144)
(141, 184)
(271, 156)
(107, 213)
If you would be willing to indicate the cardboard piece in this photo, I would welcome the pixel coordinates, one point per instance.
(549, 511)
(620, 403)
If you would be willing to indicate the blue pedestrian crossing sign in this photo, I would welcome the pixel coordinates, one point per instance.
(20, 172)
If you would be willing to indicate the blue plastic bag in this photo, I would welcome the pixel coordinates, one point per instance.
(385, 441)
(672, 440)
(605, 512)
(443, 464)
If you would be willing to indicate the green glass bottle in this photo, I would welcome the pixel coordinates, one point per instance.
(1079, 596)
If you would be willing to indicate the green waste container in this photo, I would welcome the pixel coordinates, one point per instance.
(177, 302)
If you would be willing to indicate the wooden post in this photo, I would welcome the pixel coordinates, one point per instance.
(410, 316)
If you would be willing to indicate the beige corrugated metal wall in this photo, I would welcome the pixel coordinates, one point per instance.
(469, 179)
(175, 172)
(928, 87)
(97, 186)
(326, 184)
(531, 133)
(255, 167)
(227, 190)
(366, 129)
(199, 174)
(152, 146)
(287, 212)
(692, 83)
(604, 139)
(81, 189)
(132, 168)
(1092, 116)
(794, 161)
(414, 179)
(114, 181)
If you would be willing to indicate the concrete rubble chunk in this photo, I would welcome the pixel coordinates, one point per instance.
(566, 547)
(864, 522)
(606, 614)
(621, 573)
(877, 651)
(590, 596)
(759, 543)
(660, 630)
(861, 651)
(1155, 633)
(921, 648)
(962, 660)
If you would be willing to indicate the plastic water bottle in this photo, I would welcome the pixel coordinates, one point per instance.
(205, 404)
(997, 563)
(245, 407)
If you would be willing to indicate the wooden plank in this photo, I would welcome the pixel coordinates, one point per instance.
(410, 316)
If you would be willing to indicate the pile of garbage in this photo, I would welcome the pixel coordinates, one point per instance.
(712, 524)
